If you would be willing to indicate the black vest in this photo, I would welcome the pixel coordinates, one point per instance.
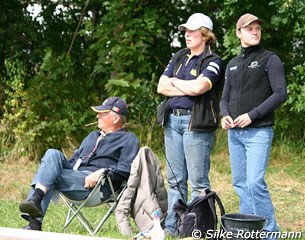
(205, 111)
(250, 85)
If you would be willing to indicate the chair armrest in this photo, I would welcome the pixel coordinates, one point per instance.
(104, 173)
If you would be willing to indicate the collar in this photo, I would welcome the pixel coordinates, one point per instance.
(246, 51)
(117, 130)
(206, 52)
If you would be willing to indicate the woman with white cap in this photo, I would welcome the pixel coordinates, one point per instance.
(191, 82)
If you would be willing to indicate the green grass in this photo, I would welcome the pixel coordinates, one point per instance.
(55, 219)
(285, 177)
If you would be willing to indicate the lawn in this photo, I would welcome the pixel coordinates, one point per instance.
(285, 177)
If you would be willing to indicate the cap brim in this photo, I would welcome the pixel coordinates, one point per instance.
(252, 21)
(181, 27)
(99, 109)
(184, 26)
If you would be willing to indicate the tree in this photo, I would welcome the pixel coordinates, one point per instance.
(72, 54)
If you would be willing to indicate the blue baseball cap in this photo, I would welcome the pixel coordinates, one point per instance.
(114, 104)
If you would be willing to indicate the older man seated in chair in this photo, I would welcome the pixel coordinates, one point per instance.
(110, 147)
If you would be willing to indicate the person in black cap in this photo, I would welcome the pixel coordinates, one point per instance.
(191, 82)
(255, 86)
(110, 147)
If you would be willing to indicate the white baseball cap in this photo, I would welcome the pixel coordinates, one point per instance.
(196, 21)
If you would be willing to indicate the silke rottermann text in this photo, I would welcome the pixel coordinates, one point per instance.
(197, 234)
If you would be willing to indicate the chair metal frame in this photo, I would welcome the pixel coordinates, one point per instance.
(93, 199)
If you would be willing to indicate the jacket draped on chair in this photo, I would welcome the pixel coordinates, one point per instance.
(145, 193)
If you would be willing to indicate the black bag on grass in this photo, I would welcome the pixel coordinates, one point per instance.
(199, 215)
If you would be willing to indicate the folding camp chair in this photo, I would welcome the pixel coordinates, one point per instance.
(93, 199)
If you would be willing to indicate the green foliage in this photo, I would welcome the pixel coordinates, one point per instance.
(290, 46)
(74, 54)
(293, 113)
(15, 93)
(297, 100)
(128, 60)
(51, 108)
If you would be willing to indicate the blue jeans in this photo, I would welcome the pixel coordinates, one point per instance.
(188, 154)
(249, 155)
(56, 173)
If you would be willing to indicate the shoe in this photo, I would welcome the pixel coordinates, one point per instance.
(168, 233)
(27, 217)
(34, 224)
(30, 207)
(28, 227)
